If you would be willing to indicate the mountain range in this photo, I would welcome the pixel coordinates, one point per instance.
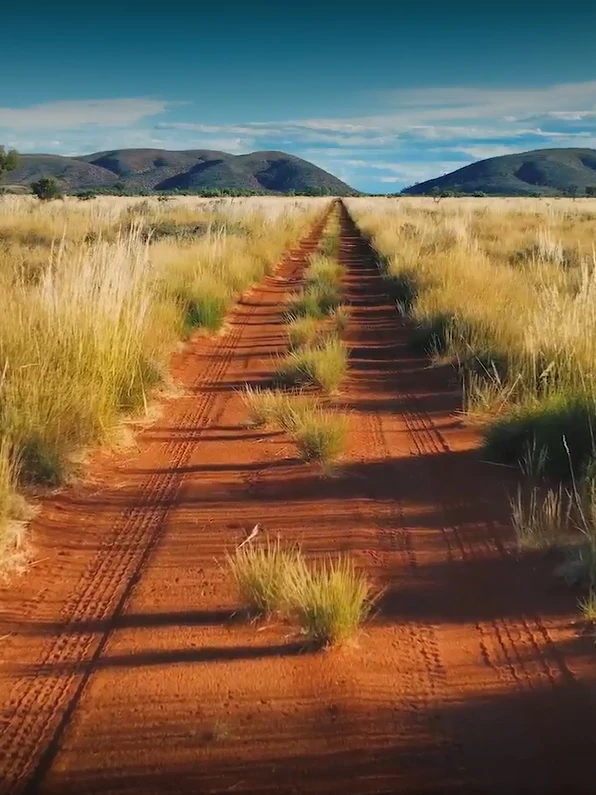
(541, 172)
(192, 170)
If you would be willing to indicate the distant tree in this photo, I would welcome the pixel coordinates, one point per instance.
(571, 192)
(46, 189)
(8, 160)
(479, 194)
(437, 194)
(591, 191)
(85, 195)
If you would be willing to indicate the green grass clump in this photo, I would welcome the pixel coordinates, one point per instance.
(207, 312)
(324, 365)
(541, 518)
(303, 331)
(324, 270)
(277, 406)
(587, 606)
(261, 574)
(262, 404)
(320, 435)
(551, 425)
(330, 600)
(315, 301)
(340, 318)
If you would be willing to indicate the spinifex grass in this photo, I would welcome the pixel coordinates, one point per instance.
(11, 552)
(323, 270)
(261, 573)
(324, 364)
(262, 404)
(320, 435)
(587, 606)
(277, 406)
(303, 331)
(512, 278)
(315, 301)
(329, 599)
(541, 517)
(339, 318)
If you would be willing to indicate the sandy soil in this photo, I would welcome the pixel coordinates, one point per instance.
(123, 669)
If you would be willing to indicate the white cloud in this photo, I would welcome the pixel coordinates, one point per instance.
(484, 151)
(523, 103)
(71, 114)
(417, 133)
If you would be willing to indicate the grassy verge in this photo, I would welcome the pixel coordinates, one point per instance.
(491, 288)
(92, 304)
(505, 290)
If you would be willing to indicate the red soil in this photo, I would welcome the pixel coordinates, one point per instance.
(123, 671)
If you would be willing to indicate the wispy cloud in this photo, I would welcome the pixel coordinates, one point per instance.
(417, 133)
(72, 114)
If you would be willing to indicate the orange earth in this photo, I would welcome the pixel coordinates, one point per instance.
(123, 669)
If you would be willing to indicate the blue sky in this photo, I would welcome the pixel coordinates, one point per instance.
(378, 95)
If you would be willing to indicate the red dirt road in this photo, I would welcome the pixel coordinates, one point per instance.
(124, 671)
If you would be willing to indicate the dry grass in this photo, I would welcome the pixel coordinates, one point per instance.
(330, 600)
(320, 435)
(261, 574)
(507, 289)
(541, 517)
(324, 364)
(94, 296)
(303, 331)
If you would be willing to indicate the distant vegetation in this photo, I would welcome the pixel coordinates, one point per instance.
(46, 189)
(190, 172)
(8, 160)
(542, 172)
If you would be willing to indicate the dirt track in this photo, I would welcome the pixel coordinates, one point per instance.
(123, 671)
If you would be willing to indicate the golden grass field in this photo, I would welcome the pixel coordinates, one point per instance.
(505, 290)
(94, 297)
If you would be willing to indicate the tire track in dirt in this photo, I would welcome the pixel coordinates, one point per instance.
(421, 686)
(515, 647)
(423, 675)
(44, 701)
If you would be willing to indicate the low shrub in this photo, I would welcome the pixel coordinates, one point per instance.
(329, 600)
(320, 435)
(324, 365)
(261, 573)
(561, 426)
(541, 518)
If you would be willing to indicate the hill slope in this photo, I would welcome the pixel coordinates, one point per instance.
(190, 170)
(547, 172)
